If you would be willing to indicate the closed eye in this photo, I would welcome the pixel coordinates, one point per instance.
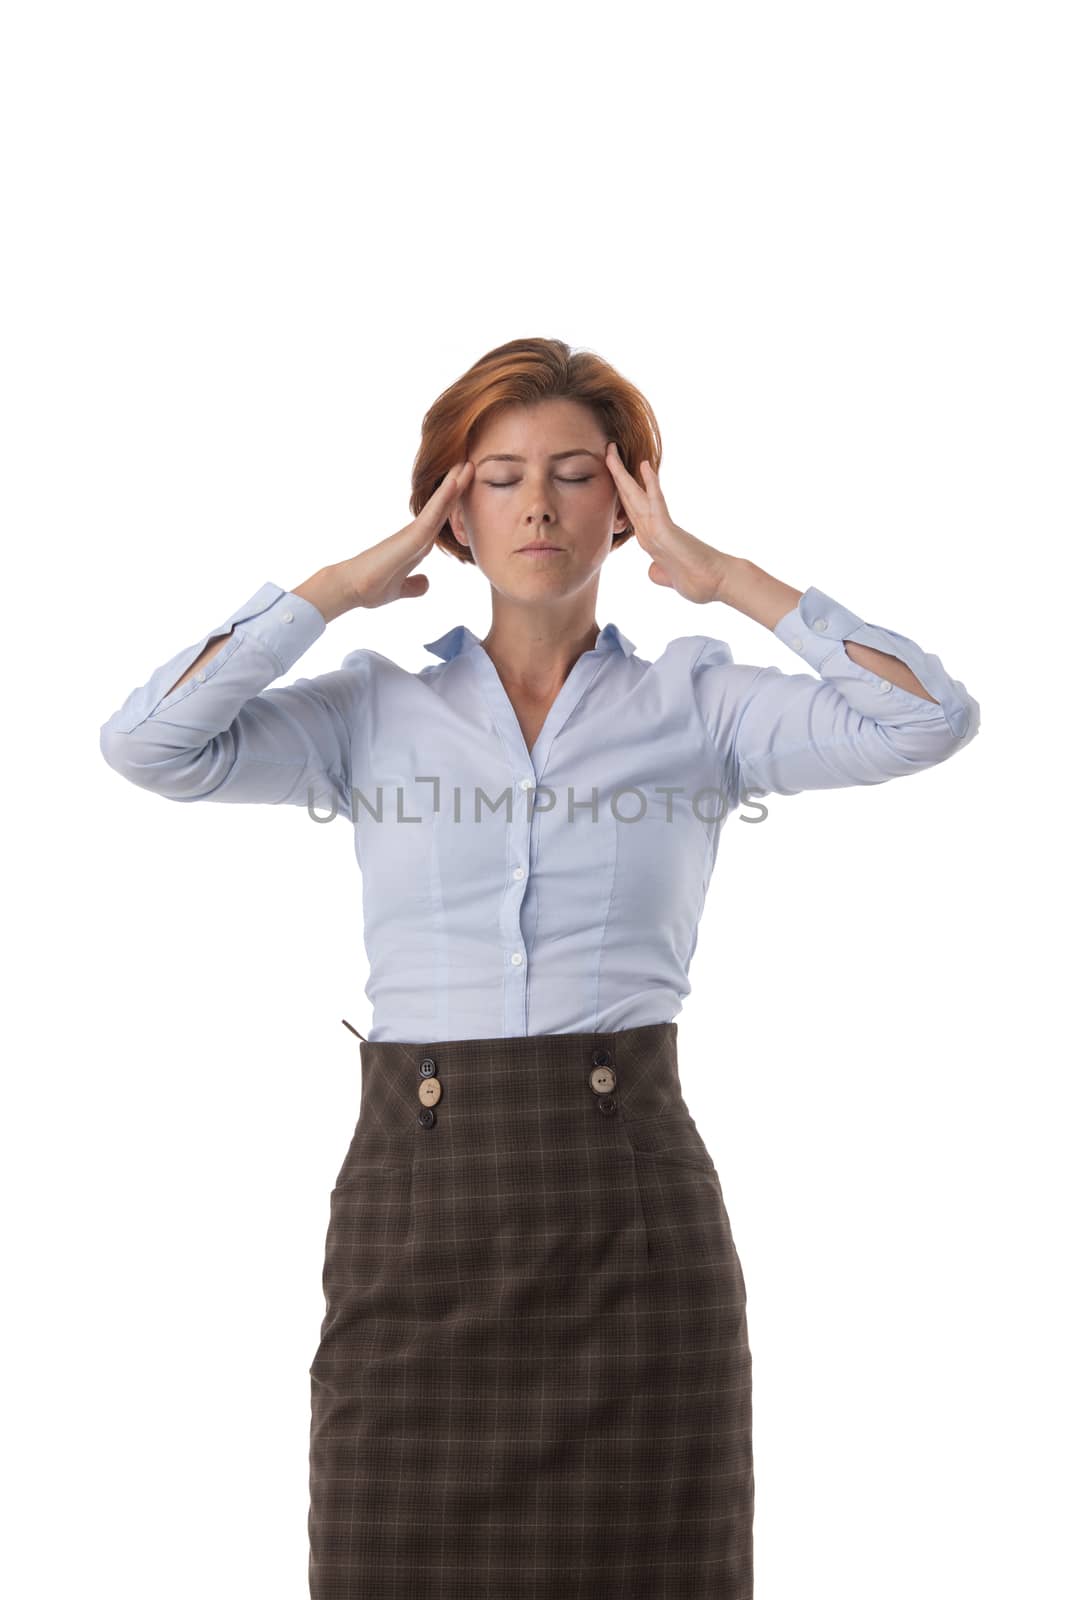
(491, 485)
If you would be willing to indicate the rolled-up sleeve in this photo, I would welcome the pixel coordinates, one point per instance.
(782, 733)
(223, 735)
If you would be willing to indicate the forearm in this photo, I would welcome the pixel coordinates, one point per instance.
(325, 589)
(330, 590)
(202, 659)
(747, 588)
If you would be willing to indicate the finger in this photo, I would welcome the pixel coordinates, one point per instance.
(446, 489)
(414, 586)
(431, 518)
(652, 483)
(630, 492)
(617, 465)
(451, 482)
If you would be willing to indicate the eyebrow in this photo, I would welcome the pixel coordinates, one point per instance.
(560, 455)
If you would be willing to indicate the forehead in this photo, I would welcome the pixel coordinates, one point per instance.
(541, 428)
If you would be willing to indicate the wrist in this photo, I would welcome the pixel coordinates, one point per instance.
(726, 578)
(328, 591)
(756, 593)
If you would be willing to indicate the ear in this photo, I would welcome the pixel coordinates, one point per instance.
(455, 522)
(459, 532)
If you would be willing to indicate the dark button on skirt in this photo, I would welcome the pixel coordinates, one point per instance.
(533, 1380)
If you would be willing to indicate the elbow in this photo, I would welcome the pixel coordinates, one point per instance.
(960, 715)
(120, 751)
(144, 762)
(963, 723)
(115, 748)
(914, 745)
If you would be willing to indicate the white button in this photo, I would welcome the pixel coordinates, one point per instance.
(287, 616)
(520, 872)
(516, 959)
(820, 624)
(199, 677)
(885, 685)
(798, 644)
(525, 783)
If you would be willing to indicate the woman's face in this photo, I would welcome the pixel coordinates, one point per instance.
(554, 489)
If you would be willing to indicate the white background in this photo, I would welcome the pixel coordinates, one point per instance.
(246, 246)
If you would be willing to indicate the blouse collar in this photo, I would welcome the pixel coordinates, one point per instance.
(460, 639)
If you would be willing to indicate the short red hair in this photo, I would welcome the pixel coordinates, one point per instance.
(523, 372)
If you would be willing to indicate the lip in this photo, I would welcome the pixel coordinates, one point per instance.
(539, 550)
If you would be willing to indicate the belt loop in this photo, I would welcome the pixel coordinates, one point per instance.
(356, 1031)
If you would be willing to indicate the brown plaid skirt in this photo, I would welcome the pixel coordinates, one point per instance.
(534, 1379)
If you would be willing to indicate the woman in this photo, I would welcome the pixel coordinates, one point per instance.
(534, 1374)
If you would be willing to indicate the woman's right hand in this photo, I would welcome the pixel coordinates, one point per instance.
(379, 575)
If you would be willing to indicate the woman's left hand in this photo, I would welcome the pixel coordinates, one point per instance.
(679, 559)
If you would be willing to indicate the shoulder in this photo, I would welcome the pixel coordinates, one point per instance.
(371, 667)
(695, 651)
(700, 665)
(364, 661)
(721, 686)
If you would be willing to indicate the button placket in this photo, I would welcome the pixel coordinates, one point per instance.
(531, 765)
(603, 1080)
(514, 954)
(429, 1091)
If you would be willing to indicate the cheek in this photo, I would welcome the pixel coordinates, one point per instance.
(481, 509)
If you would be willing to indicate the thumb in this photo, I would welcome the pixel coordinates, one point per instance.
(658, 575)
(412, 587)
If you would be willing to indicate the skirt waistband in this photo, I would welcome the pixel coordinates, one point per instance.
(411, 1089)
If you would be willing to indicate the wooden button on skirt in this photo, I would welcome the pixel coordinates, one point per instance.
(533, 1377)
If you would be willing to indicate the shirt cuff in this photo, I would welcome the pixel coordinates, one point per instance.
(283, 622)
(817, 627)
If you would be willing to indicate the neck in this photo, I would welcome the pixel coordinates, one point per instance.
(535, 656)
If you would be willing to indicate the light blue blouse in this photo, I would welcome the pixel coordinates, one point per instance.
(509, 891)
